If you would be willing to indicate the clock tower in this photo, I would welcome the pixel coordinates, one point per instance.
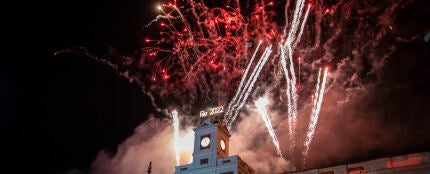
(211, 152)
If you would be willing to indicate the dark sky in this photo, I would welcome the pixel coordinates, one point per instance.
(58, 112)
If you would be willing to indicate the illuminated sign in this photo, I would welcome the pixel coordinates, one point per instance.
(212, 111)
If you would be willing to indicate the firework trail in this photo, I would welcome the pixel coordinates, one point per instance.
(250, 83)
(176, 134)
(293, 94)
(201, 50)
(293, 89)
(249, 86)
(241, 81)
(314, 116)
(116, 68)
(288, 93)
(302, 27)
(296, 20)
(315, 96)
(261, 104)
(241, 93)
(196, 52)
(291, 42)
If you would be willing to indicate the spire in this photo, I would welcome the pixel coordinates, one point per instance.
(149, 167)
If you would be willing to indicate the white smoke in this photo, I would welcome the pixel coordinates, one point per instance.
(153, 141)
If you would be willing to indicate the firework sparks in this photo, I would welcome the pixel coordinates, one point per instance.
(302, 27)
(176, 134)
(182, 141)
(219, 33)
(317, 88)
(200, 52)
(315, 111)
(293, 89)
(261, 104)
(288, 93)
(248, 87)
(240, 88)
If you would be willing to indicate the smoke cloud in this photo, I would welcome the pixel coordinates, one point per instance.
(374, 104)
(153, 141)
(253, 144)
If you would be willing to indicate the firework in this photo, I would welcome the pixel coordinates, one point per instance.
(249, 86)
(176, 134)
(315, 111)
(302, 27)
(240, 88)
(288, 93)
(199, 52)
(261, 104)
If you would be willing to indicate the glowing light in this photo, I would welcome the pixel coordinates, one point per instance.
(293, 89)
(314, 105)
(261, 104)
(182, 141)
(243, 96)
(327, 10)
(191, 49)
(302, 27)
(289, 101)
(176, 134)
(240, 87)
(296, 20)
(314, 117)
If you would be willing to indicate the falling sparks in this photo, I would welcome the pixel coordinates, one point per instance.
(212, 37)
(240, 88)
(230, 119)
(319, 94)
(200, 52)
(261, 104)
(176, 134)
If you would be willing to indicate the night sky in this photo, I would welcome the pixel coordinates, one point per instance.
(58, 112)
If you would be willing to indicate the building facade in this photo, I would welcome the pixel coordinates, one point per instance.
(211, 152)
(417, 163)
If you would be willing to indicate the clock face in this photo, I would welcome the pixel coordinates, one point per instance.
(205, 142)
(222, 143)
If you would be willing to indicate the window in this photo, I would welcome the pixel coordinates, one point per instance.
(204, 161)
(356, 170)
(228, 172)
(226, 161)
